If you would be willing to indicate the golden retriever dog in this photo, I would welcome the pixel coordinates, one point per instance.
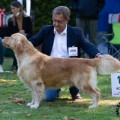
(39, 71)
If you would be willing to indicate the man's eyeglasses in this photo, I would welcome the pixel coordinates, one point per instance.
(58, 21)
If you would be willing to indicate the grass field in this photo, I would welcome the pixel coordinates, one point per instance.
(62, 109)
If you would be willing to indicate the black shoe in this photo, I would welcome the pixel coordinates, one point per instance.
(13, 67)
(77, 97)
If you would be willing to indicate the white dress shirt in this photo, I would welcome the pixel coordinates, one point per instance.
(59, 48)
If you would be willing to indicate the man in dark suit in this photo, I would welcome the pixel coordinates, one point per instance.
(63, 41)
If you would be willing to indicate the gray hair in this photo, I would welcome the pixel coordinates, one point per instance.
(65, 11)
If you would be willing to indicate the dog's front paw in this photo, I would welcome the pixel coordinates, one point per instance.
(92, 106)
(34, 106)
(29, 104)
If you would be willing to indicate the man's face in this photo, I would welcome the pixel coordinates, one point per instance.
(59, 22)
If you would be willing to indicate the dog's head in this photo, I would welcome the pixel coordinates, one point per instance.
(17, 42)
(14, 40)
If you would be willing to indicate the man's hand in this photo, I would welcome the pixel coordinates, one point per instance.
(99, 55)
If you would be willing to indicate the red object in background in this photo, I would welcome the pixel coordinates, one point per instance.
(2, 17)
(119, 18)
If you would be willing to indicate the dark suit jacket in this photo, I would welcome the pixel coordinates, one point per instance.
(75, 38)
(27, 26)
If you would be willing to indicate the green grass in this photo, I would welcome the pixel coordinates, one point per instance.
(11, 87)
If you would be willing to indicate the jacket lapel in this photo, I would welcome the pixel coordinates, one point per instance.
(51, 40)
(70, 38)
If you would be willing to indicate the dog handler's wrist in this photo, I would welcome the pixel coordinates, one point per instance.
(98, 55)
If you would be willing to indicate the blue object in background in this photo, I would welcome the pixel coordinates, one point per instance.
(111, 6)
(51, 95)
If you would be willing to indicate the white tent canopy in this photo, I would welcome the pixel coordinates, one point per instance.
(28, 6)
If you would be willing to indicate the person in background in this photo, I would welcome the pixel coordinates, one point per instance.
(2, 51)
(104, 27)
(87, 16)
(63, 41)
(19, 22)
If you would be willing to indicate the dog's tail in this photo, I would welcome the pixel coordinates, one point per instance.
(107, 64)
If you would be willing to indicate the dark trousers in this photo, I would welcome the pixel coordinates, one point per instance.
(2, 51)
(73, 91)
(89, 28)
(14, 63)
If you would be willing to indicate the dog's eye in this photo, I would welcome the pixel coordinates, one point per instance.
(13, 38)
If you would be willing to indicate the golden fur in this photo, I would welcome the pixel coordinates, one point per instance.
(39, 71)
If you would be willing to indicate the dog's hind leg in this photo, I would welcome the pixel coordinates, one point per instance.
(91, 88)
(95, 93)
(37, 94)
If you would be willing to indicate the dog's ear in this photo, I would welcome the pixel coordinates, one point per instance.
(19, 46)
(22, 45)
